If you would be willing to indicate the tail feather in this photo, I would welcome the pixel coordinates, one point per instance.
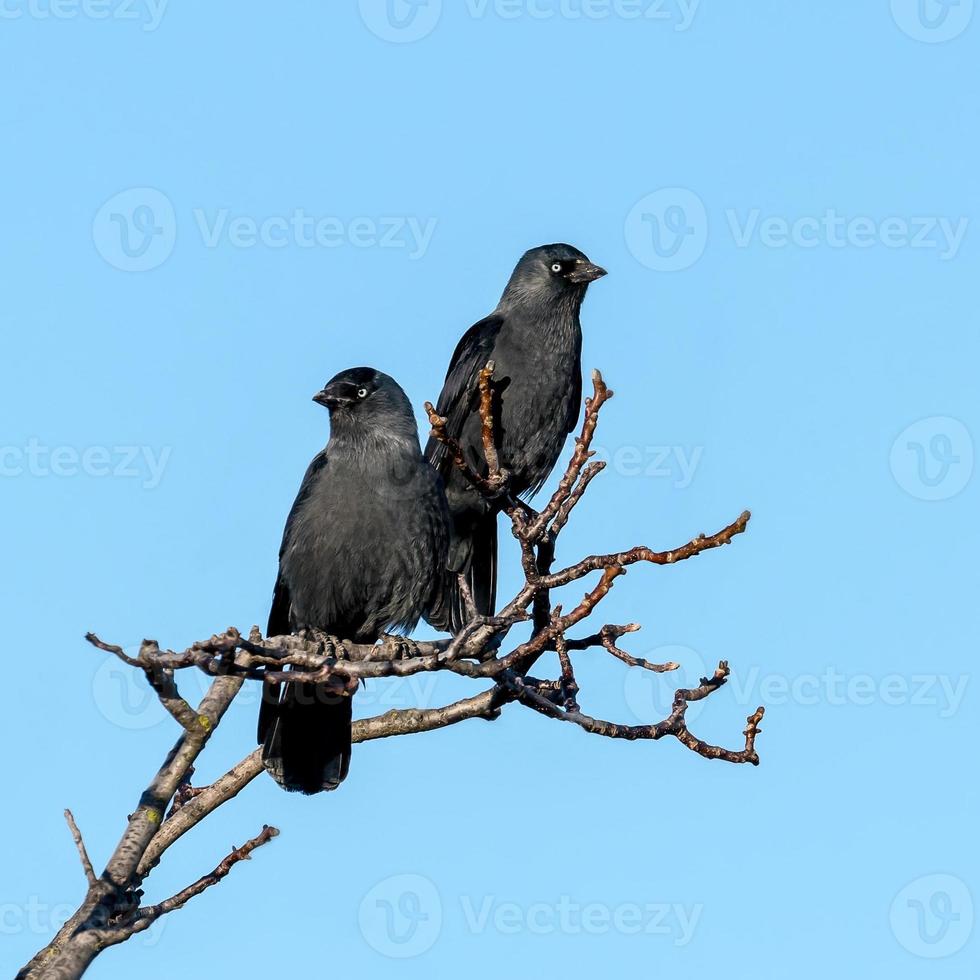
(482, 574)
(473, 553)
(306, 737)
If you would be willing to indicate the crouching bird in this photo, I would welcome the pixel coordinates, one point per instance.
(534, 338)
(364, 552)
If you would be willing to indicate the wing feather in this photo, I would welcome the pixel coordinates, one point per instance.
(459, 391)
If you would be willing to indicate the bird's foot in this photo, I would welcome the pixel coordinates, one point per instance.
(404, 647)
(331, 644)
(499, 485)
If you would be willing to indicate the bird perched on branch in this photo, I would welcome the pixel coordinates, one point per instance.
(534, 338)
(364, 551)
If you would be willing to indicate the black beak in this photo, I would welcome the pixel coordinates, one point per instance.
(330, 397)
(586, 272)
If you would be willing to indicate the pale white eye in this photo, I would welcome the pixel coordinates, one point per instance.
(556, 267)
(362, 392)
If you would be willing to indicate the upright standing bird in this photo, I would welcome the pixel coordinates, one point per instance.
(534, 338)
(364, 551)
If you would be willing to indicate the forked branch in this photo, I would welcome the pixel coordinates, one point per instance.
(112, 910)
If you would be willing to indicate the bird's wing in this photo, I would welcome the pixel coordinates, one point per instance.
(575, 403)
(279, 619)
(459, 392)
(279, 624)
(279, 612)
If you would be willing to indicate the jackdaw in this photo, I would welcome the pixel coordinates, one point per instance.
(364, 552)
(534, 338)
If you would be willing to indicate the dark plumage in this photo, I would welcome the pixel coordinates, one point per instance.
(364, 552)
(535, 339)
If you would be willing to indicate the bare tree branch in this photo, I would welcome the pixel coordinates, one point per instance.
(112, 910)
(674, 725)
(143, 918)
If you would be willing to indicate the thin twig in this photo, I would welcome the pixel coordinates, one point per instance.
(487, 426)
(674, 726)
(145, 917)
(440, 433)
(568, 685)
(601, 394)
(82, 852)
(608, 636)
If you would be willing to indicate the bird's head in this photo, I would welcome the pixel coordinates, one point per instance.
(552, 273)
(363, 399)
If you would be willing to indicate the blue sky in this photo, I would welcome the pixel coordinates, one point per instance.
(208, 210)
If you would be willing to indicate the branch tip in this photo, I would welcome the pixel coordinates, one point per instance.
(76, 834)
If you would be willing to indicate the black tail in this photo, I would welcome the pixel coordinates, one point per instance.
(483, 565)
(305, 736)
(474, 553)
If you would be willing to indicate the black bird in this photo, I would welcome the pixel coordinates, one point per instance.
(535, 339)
(364, 552)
